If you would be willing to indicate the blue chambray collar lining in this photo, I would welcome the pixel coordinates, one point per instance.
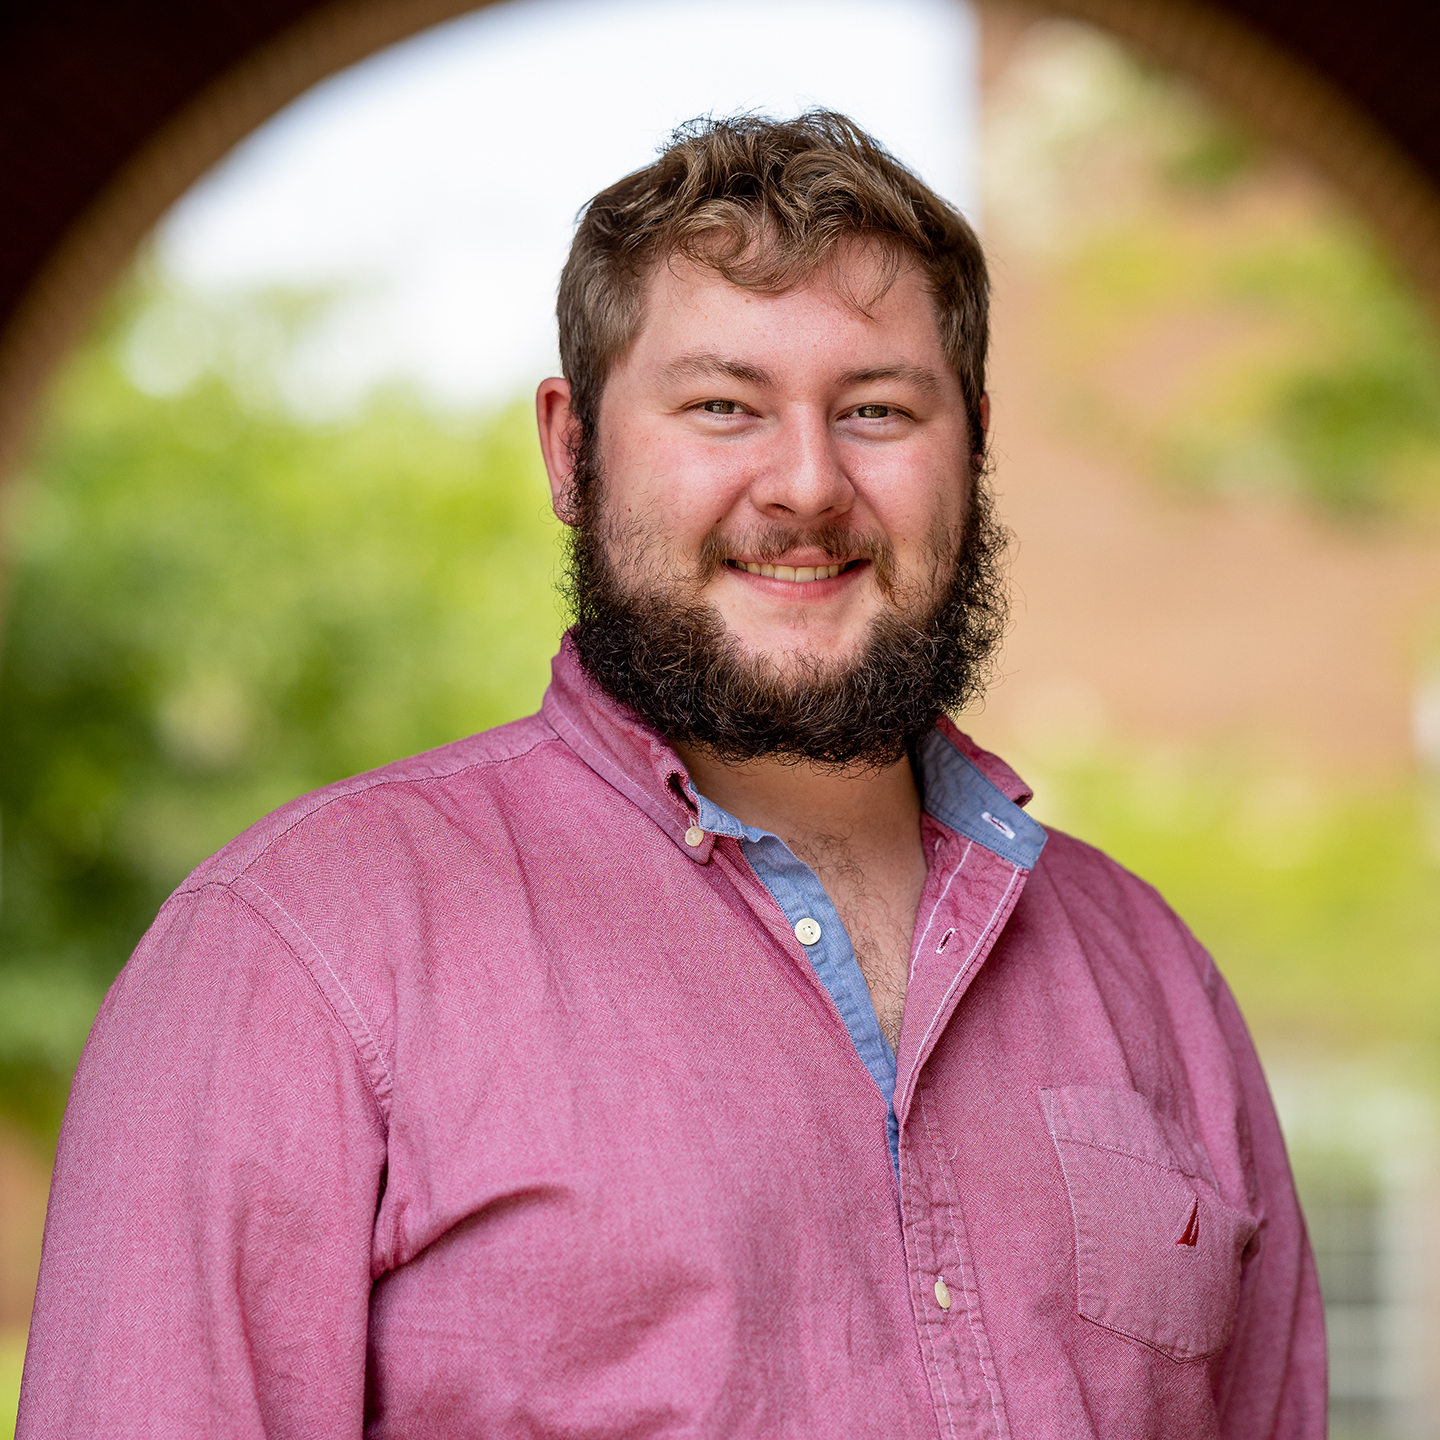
(957, 794)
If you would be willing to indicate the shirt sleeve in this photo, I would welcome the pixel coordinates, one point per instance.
(206, 1264)
(1272, 1382)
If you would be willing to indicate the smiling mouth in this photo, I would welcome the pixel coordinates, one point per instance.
(795, 574)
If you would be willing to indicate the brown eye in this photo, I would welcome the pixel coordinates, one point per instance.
(721, 407)
(873, 412)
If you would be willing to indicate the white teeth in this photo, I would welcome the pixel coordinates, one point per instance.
(798, 575)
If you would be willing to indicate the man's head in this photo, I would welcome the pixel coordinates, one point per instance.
(765, 204)
(774, 343)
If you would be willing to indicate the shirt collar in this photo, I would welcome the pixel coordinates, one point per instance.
(968, 789)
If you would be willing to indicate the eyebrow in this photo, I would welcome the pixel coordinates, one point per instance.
(705, 363)
(916, 375)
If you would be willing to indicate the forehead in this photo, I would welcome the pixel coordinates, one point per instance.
(858, 311)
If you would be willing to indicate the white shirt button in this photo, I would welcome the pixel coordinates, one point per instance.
(693, 836)
(807, 931)
(942, 1294)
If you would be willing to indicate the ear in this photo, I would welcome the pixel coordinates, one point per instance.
(984, 417)
(557, 427)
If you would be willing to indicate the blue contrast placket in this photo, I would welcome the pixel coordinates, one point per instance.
(957, 795)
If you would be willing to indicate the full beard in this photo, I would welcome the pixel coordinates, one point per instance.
(671, 660)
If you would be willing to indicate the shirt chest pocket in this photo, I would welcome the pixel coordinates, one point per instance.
(1157, 1251)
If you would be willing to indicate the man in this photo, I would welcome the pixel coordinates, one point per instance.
(722, 1051)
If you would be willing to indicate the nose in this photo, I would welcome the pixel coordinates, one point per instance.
(803, 478)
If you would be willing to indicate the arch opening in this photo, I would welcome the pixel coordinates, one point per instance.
(1267, 816)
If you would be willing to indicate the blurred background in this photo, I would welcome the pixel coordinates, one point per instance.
(285, 519)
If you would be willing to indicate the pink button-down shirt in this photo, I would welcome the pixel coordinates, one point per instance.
(467, 1098)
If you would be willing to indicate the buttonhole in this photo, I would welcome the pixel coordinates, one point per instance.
(944, 940)
(1000, 825)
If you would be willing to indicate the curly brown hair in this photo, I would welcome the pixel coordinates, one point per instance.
(764, 203)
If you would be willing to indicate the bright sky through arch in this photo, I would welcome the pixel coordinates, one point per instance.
(439, 180)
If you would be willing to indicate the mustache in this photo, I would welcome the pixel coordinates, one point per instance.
(769, 543)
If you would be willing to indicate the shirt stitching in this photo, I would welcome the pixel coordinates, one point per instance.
(611, 773)
(972, 1293)
(969, 960)
(354, 789)
(340, 984)
(1074, 1216)
(1130, 1154)
(940, 899)
(926, 1328)
(263, 920)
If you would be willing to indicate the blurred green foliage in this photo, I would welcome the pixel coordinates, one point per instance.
(1345, 408)
(215, 606)
(1215, 309)
(1209, 154)
(12, 1361)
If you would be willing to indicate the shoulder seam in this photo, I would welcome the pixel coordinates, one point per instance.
(232, 888)
(380, 782)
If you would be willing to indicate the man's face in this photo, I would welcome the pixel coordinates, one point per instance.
(800, 435)
(780, 546)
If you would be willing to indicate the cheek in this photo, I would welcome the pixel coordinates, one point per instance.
(914, 500)
(684, 489)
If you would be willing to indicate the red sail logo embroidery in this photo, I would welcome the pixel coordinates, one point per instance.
(1192, 1227)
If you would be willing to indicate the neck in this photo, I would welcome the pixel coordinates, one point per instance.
(798, 802)
(859, 832)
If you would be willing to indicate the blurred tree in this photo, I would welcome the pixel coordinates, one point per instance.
(214, 606)
(1213, 310)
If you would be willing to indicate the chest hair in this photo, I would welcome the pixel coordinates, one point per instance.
(879, 918)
